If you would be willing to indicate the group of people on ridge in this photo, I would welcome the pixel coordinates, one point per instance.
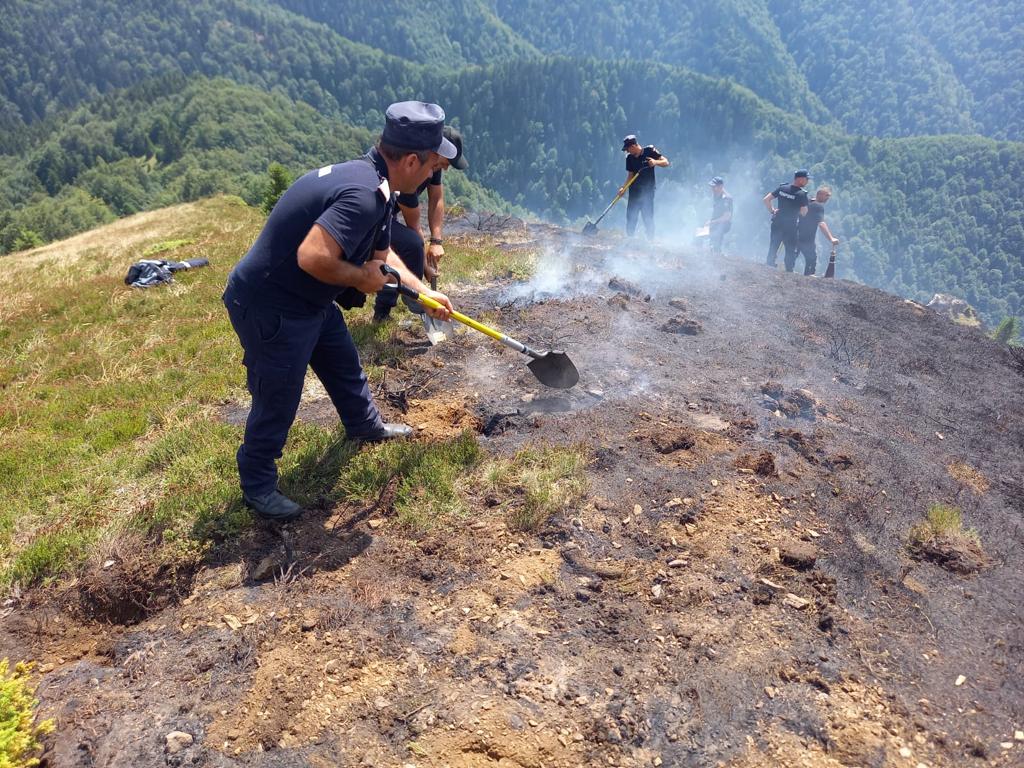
(324, 246)
(796, 220)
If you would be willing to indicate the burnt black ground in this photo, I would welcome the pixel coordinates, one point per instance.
(651, 622)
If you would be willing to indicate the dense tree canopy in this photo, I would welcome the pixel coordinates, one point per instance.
(129, 118)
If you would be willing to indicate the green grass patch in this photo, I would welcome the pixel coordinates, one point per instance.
(535, 484)
(422, 476)
(166, 245)
(942, 521)
(20, 731)
(477, 262)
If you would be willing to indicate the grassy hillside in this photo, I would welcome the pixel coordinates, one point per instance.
(109, 422)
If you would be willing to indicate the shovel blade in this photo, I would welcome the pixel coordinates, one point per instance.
(437, 330)
(555, 369)
(590, 228)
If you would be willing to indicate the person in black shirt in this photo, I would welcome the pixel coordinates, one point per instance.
(721, 214)
(791, 206)
(406, 239)
(640, 162)
(808, 226)
(329, 233)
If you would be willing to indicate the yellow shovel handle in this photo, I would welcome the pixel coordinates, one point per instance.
(429, 302)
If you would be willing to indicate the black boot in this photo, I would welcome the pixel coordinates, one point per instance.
(274, 507)
(384, 432)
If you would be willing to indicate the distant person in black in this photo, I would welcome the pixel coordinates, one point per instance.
(406, 239)
(792, 205)
(808, 226)
(640, 162)
(721, 214)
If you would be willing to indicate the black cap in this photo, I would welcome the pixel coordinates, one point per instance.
(417, 125)
(628, 141)
(803, 173)
(715, 181)
(453, 135)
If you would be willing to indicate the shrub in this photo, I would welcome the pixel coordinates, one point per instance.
(19, 733)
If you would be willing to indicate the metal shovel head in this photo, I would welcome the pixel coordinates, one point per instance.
(590, 228)
(555, 369)
(437, 330)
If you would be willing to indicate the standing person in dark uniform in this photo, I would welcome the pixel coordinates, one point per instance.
(808, 226)
(792, 205)
(328, 234)
(640, 161)
(721, 214)
(406, 239)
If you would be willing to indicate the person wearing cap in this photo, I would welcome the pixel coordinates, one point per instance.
(792, 204)
(406, 239)
(808, 226)
(721, 214)
(328, 234)
(640, 162)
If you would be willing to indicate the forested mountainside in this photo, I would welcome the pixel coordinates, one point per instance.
(132, 121)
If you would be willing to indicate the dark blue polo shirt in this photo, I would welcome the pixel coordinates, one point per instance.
(791, 199)
(638, 164)
(807, 229)
(350, 200)
(412, 199)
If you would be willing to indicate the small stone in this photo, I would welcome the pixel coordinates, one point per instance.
(1006, 744)
(177, 741)
(265, 568)
(714, 483)
(376, 523)
(656, 591)
(109, 564)
(798, 555)
(769, 692)
(795, 601)
(334, 666)
(1018, 735)
(656, 761)
(905, 752)
(960, 680)
(380, 703)
(676, 563)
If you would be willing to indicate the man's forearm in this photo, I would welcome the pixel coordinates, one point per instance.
(435, 213)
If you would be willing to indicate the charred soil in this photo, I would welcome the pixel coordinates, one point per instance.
(736, 588)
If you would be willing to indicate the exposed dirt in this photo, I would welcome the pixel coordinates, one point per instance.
(736, 590)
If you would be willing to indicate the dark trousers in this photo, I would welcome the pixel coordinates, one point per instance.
(640, 201)
(277, 349)
(408, 244)
(783, 236)
(809, 251)
(717, 233)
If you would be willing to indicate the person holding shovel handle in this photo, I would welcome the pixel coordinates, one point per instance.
(406, 239)
(808, 226)
(324, 241)
(640, 163)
